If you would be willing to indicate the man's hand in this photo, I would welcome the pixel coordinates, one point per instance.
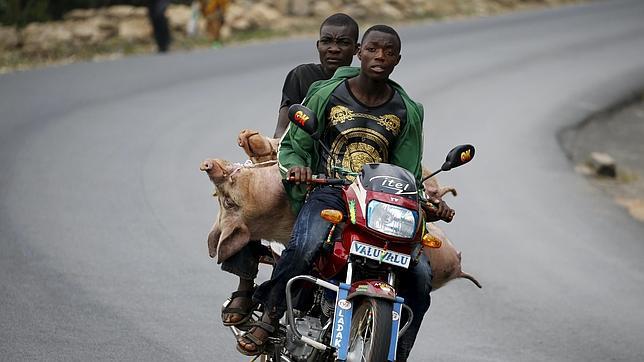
(299, 174)
(438, 209)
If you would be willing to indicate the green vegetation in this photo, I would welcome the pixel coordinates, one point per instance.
(22, 12)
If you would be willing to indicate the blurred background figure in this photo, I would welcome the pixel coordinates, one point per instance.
(156, 11)
(214, 12)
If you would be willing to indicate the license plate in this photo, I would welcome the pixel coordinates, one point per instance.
(380, 254)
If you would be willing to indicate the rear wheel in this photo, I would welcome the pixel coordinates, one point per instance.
(370, 331)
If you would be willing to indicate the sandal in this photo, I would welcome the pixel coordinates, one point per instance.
(260, 344)
(245, 313)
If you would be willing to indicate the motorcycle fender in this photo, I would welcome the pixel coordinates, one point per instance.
(342, 322)
(372, 288)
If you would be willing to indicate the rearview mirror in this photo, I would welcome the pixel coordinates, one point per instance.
(458, 156)
(304, 118)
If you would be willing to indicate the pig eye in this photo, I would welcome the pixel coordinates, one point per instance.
(228, 203)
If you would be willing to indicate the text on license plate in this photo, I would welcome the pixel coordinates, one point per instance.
(380, 254)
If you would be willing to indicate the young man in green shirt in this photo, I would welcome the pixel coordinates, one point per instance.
(364, 117)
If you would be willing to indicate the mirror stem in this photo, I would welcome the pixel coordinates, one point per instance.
(325, 149)
(430, 176)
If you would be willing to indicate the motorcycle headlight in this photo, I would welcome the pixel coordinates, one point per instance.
(391, 220)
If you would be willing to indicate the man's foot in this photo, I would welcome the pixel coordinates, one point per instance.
(240, 308)
(253, 342)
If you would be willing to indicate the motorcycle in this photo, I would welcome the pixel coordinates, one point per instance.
(350, 310)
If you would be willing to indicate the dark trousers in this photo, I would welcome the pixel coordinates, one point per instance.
(156, 12)
(245, 263)
(308, 234)
(414, 285)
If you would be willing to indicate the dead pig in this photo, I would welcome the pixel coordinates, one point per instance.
(252, 206)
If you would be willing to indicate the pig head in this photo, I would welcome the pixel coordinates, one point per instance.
(252, 206)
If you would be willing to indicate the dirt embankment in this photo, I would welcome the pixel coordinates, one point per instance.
(617, 132)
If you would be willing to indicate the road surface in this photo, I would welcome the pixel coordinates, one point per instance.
(104, 213)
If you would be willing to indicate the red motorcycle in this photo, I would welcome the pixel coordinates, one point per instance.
(352, 312)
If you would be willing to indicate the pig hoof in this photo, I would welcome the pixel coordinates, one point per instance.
(244, 135)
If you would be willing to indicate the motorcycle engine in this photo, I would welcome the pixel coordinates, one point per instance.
(308, 326)
(327, 303)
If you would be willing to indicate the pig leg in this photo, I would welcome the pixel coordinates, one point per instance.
(467, 276)
(446, 189)
(258, 147)
(471, 278)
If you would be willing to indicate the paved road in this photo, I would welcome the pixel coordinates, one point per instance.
(104, 214)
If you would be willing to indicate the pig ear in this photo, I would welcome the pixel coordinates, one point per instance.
(233, 237)
(213, 239)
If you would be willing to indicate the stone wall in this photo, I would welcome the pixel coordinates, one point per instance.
(81, 28)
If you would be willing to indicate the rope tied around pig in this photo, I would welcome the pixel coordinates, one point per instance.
(251, 164)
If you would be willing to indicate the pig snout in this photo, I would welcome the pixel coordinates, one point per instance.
(215, 170)
(207, 165)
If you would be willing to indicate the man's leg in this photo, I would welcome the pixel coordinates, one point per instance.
(415, 286)
(156, 11)
(308, 234)
(244, 264)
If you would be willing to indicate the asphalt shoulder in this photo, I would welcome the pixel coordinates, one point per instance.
(619, 133)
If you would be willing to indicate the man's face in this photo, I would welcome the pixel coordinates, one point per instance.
(336, 47)
(379, 55)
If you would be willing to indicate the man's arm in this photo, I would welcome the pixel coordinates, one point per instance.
(282, 122)
(291, 94)
(293, 154)
(437, 209)
(408, 149)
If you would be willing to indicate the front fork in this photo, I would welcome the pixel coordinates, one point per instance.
(343, 313)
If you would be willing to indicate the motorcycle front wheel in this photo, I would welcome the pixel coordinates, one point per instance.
(370, 331)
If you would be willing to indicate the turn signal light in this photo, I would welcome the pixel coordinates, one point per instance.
(431, 241)
(332, 216)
